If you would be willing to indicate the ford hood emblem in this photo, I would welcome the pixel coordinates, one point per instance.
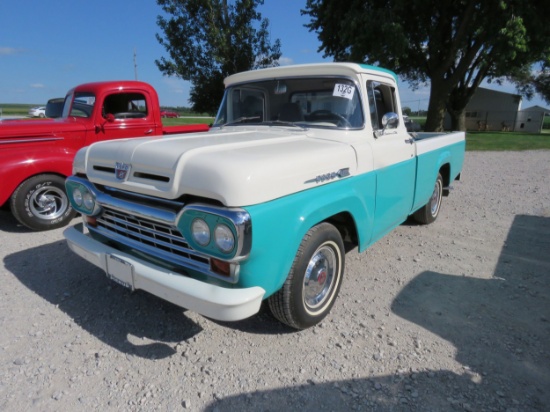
(121, 170)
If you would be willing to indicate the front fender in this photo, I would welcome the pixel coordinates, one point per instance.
(16, 168)
(279, 226)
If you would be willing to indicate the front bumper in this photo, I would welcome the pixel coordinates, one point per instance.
(212, 301)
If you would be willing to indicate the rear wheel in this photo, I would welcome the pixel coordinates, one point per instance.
(314, 280)
(40, 203)
(429, 212)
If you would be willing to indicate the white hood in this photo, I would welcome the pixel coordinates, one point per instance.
(236, 167)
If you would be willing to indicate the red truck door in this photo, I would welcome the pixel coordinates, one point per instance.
(127, 114)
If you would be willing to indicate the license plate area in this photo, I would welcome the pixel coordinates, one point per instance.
(120, 271)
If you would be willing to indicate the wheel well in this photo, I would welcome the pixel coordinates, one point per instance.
(345, 224)
(445, 172)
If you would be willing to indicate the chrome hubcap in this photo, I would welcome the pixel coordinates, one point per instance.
(48, 203)
(435, 201)
(320, 277)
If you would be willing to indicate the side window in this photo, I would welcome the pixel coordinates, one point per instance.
(125, 105)
(381, 101)
(82, 106)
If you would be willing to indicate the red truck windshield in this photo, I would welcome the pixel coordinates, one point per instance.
(79, 104)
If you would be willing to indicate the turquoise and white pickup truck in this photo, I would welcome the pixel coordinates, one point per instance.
(302, 163)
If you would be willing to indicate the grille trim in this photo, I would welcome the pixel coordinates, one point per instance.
(160, 240)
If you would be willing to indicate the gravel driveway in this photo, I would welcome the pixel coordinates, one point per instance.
(450, 316)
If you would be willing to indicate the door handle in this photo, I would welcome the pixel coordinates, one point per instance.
(149, 131)
(409, 141)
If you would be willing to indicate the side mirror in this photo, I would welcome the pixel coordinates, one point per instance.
(390, 120)
(109, 118)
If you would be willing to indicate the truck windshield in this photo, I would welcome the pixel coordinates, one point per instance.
(307, 102)
(79, 104)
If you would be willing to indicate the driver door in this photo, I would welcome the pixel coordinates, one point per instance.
(394, 161)
(132, 117)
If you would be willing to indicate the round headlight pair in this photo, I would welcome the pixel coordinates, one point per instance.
(83, 199)
(223, 236)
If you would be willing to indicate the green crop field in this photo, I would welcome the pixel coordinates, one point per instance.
(16, 109)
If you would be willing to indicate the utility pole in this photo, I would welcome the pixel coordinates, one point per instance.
(135, 64)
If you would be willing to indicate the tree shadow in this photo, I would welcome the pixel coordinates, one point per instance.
(135, 323)
(499, 326)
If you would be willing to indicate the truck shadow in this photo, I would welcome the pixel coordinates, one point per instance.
(8, 223)
(133, 323)
(499, 326)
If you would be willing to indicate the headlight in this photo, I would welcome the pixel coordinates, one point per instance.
(82, 195)
(77, 197)
(201, 232)
(88, 201)
(225, 240)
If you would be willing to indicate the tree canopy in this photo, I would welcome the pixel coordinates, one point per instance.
(451, 44)
(208, 40)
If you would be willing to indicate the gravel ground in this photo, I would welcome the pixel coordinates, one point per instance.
(450, 316)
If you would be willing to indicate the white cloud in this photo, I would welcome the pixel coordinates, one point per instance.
(5, 51)
(285, 61)
(37, 86)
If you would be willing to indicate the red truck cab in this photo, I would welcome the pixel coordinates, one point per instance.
(36, 155)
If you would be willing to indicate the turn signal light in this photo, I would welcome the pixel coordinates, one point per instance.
(91, 221)
(220, 267)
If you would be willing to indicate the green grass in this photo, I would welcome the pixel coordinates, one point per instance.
(186, 120)
(17, 109)
(506, 141)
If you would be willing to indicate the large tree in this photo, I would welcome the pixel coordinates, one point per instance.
(208, 40)
(451, 44)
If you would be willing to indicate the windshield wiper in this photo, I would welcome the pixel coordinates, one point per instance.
(244, 119)
(284, 123)
(241, 120)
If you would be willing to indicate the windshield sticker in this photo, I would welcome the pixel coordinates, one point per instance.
(343, 90)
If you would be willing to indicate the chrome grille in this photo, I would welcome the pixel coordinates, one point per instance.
(149, 236)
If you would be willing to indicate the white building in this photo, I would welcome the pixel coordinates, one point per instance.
(492, 110)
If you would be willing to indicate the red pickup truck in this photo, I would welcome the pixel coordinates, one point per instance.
(37, 155)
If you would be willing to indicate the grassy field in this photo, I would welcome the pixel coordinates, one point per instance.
(502, 141)
(16, 109)
(186, 120)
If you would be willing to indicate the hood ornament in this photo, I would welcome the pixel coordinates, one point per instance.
(121, 170)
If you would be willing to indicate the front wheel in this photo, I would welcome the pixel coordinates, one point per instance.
(314, 280)
(40, 203)
(429, 212)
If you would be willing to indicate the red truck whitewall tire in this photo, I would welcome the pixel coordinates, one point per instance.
(314, 280)
(41, 203)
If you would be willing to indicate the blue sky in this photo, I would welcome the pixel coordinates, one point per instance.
(47, 47)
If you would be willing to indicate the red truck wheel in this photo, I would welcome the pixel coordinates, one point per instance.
(40, 203)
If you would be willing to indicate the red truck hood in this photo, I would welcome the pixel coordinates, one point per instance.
(10, 129)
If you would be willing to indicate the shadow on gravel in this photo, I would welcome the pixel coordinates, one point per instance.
(134, 323)
(9, 224)
(263, 323)
(500, 328)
